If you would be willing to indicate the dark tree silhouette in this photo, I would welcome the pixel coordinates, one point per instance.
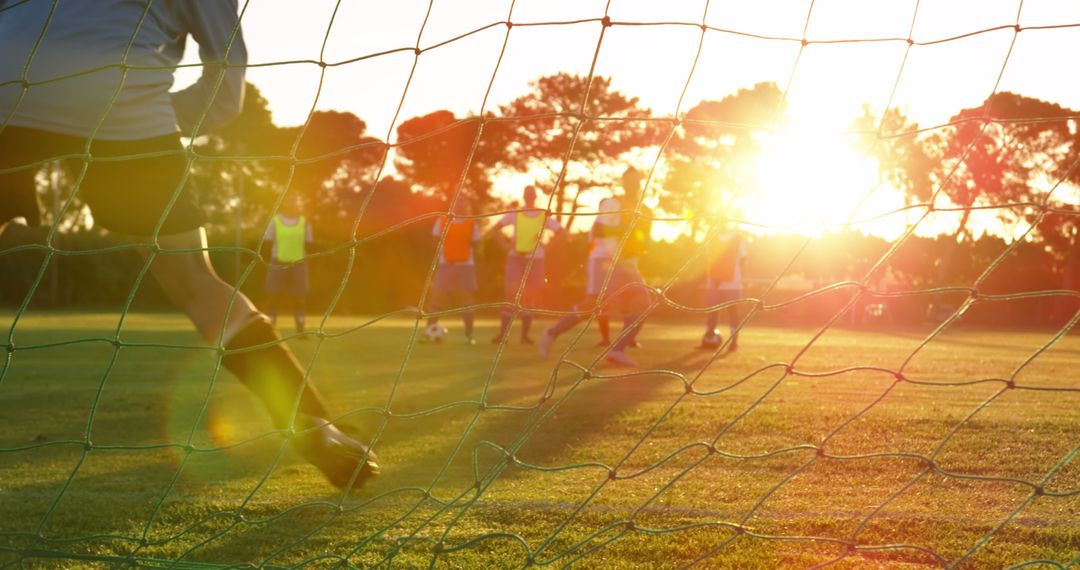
(434, 149)
(535, 131)
(711, 157)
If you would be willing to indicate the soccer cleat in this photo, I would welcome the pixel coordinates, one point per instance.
(544, 345)
(603, 342)
(527, 340)
(470, 341)
(334, 453)
(619, 358)
(497, 339)
(711, 341)
(634, 344)
(734, 345)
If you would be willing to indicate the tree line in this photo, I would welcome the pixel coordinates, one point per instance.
(369, 201)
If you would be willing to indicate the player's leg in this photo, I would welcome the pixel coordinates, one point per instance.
(511, 281)
(733, 320)
(274, 285)
(633, 299)
(598, 269)
(299, 293)
(468, 287)
(533, 295)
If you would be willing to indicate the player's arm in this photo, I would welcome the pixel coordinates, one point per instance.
(218, 95)
(268, 241)
(496, 230)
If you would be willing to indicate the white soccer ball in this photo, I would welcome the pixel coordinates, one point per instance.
(435, 332)
(712, 340)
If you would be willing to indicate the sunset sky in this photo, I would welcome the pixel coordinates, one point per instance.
(827, 89)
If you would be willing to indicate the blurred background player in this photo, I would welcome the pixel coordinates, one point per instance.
(455, 276)
(289, 234)
(602, 244)
(118, 112)
(626, 291)
(526, 244)
(723, 283)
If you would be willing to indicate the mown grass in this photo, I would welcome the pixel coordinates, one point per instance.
(500, 462)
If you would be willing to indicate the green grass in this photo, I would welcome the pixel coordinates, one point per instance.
(611, 469)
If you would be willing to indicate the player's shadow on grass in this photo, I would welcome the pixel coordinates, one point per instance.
(589, 411)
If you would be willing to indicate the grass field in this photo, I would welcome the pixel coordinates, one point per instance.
(480, 469)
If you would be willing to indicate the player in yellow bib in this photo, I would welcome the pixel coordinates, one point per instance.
(723, 284)
(526, 244)
(287, 278)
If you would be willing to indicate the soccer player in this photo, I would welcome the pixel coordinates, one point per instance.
(602, 246)
(726, 265)
(455, 276)
(627, 289)
(528, 228)
(96, 89)
(287, 277)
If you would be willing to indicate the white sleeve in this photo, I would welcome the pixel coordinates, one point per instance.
(552, 224)
(269, 234)
(506, 220)
(436, 230)
(209, 102)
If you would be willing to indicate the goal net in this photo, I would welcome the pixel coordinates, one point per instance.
(905, 385)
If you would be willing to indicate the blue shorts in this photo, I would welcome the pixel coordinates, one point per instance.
(714, 296)
(455, 277)
(515, 273)
(287, 280)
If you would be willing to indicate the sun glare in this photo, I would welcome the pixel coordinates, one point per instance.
(810, 180)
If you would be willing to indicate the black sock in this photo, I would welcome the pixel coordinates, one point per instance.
(272, 373)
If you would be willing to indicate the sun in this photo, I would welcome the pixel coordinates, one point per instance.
(810, 180)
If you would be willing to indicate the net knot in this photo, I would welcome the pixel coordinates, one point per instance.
(606, 21)
(88, 445)
(612, 474)
(509, 24)
(899, 376)
(804, 42)
(1040, 491)
(417, 51)
(820, 451)
(910, 42)
(688, 388)
(1010, 384)
(630, 525)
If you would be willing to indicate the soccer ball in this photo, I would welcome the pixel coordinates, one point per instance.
(712, 340)
(435, 332)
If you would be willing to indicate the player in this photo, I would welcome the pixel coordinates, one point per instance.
(117, 112)
(527, 243)
(287, 277)
(602, 245)
(726, 266)
(455, 277)
(626, 289)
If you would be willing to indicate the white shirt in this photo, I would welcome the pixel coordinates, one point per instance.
(604, 247)
(510, 219)
(83, 47)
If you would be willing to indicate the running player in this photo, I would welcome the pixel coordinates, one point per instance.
(528, 248)
(626, 290)
(124, 126)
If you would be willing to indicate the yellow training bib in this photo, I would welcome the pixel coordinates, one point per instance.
(527, 231)
(290, 239)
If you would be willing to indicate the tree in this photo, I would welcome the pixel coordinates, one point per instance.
(1002, 151)
(432, 153)
(535, 131)
(904, 158)
(712, 155)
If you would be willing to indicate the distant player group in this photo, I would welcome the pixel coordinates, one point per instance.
(614, 285)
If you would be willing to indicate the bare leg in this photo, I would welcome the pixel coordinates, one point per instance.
(218, 311)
